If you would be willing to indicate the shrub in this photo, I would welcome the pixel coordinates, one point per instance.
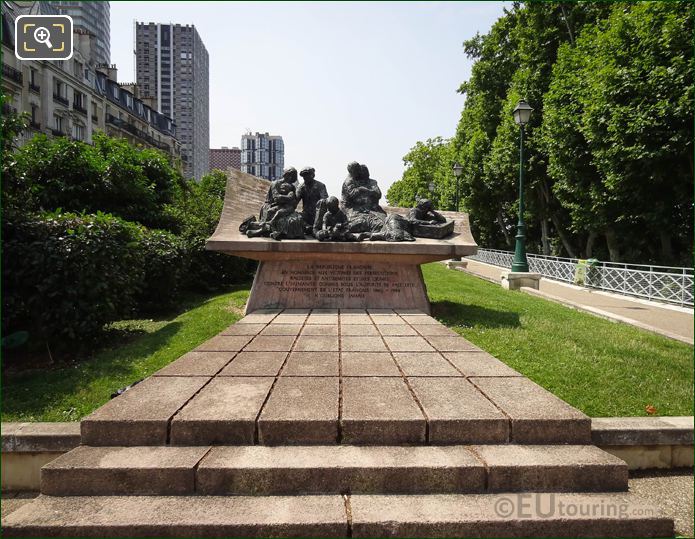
(66, 275)
(165, 264)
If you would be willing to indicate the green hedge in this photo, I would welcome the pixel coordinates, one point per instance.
(66, 275)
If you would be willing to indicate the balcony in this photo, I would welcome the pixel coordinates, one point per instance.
(60, 99)
(11, 73)
(57, 133)
(79, 108)
(35, 88)
(35, 126)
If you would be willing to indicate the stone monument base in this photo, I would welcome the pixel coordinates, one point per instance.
(514, 280)
(340, 283)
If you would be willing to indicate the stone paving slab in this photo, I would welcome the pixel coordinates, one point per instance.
(537, 416)
(424, 364)
(324, 330)
(316, 343)
(350, 343)
(271, 343)
(243, 329)
(312, 364)
(552, 468)
(197, 364)
(450, 344)
(282, 329)
(502, 515)
(123, 470)
(475, 363)
(458, 413)
(368, 364)
(140, 416)
(355, 319)
(262, 470)
(258, 317)
(380, 411)
(224, 412)
(408, 344)
(291, 319)
(397, 330)
(224, 343)
(360, 330)
(255, 364)
(300, 410)
(179, 516)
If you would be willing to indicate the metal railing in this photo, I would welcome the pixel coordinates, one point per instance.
(12, 73)
(661, 283)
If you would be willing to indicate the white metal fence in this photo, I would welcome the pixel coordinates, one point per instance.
(661, 283)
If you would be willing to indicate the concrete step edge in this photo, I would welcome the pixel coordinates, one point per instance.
(262, 470)
(467, 515)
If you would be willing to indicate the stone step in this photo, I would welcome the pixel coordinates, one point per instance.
(454, 515)
(251, 405)
(263, 470)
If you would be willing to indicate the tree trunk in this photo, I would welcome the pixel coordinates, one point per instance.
(548, 197)
(590, 244)
(545, 240)
(507, 237)
(666, 247)
(612, 242)
(563, 237)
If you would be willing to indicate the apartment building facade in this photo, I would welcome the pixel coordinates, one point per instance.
(224, 158)
(76, 98)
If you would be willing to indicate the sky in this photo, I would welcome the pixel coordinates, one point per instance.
(339, 81)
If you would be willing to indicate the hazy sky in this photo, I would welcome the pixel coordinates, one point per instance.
(340, 81)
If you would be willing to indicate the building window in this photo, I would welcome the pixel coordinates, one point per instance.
(78, 132)
(58, 123)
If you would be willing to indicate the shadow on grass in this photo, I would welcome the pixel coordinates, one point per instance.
(459, 314)
(33, 391)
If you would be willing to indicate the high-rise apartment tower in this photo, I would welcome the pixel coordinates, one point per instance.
(262, 155)
(95, 17)
(172, 68)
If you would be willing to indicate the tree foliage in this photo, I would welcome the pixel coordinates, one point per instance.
(609, 146)
(95, 233)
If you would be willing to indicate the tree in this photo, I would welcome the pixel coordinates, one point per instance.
(618, 131)
(426, 163)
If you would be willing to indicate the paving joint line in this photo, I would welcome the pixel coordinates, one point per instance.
(486, 477)
(405, 379)
(195, 469)
(171, 419)
(511, 423)
(256, 435)
(340, 383)
(348, 513)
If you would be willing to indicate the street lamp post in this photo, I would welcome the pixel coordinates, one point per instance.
(522, 114)
(458, 169)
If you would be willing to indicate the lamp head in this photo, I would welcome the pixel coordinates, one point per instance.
(458, 170)
(522, 113)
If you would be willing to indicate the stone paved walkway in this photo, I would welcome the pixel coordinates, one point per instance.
(323, 377)
(665, 319)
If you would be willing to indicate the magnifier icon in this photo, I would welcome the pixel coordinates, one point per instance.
(43, 36)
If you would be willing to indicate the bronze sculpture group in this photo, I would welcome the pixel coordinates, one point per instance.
(356, 217)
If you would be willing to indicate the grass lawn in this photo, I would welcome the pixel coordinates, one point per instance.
(69, 393)
(601, 367)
